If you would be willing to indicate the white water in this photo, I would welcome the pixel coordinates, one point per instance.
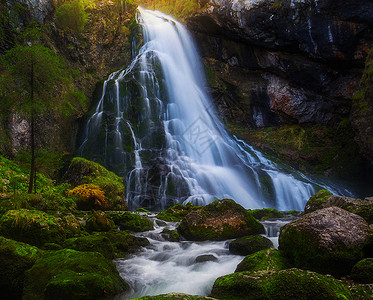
(165, 267)
(201, 161)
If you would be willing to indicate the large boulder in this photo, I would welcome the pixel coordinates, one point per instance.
(264, 260)
(329, 240)
(15, 259)
(38, 228)
(279, 285)
(70, 274)
(324, 198)
(219, 220)
(249, 244)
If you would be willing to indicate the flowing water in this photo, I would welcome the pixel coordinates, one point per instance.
(156, 125)
(184, 267)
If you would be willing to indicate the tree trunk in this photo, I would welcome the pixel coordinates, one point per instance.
(32, 141)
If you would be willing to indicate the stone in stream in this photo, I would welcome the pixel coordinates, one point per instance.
(249, 244)
(219, 220)
(205, 258)
(329, 241)
(264, 260)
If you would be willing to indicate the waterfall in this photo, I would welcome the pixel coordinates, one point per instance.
(156, 125)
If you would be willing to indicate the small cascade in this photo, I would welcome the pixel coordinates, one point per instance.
(184, 267)
(156, 126)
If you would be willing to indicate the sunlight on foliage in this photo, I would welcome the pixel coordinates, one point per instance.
(90, 196)
(71, 16)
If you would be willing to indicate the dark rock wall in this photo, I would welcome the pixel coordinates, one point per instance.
(284, 62)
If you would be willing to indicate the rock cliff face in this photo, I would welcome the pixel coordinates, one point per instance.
(104, 45)
(284, 62)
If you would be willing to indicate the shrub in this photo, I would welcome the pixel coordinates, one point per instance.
(71, 16)
(89, 197)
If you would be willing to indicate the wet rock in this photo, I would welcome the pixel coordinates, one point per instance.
(329, 241)
(70, 274)
(15, 259)
(170, 235)
(177, 212)
(249, 244)
(362, 271)
(219, 220)
(205, 258)
(282, 285)
(92, 243)
(264, 260)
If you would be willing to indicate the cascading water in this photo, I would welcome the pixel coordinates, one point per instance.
(156, 126)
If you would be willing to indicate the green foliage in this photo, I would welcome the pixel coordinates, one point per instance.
(71, 16)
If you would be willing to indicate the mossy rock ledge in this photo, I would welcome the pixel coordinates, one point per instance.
(328, 241)
(264, 260)
(15, 259)
(279, 285)
(220, 220)
(70, 274)
(38, 228)
(249, 244)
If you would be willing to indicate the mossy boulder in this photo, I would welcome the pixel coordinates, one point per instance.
(363, 208)
(37, 228)
(264, 260)
(363, 271)
(267, 213)
(219, 220)
(328, 241)
(175, 296)
(125, 243)
(15, 259)
(99, 221)
(317, 201)
(92, 243)
(177, 212)
(82, 171)
(131, 221)
(170, 235)
(249, 244)
(70, 274)
(279, 285)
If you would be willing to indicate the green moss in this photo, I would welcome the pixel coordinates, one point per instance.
(140, 209)
(170, 235)
(83, 171)
(281, 285)
(264, 260)
(204, 224)
(267, 213)
(125, 243)
(15, 259)
(38, 228)
(92, 243)
(99, 221)
(131, 221)
(249, 244)
(363, 271)
(70, 274)
(317, 201)
(176, 212)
